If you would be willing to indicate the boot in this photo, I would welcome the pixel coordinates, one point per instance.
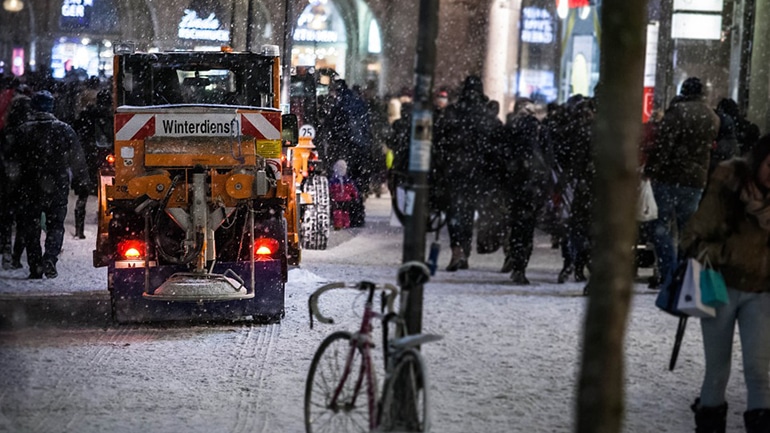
(757, 421)
(580, 277)
(507, 265)
(519, 278)
(458, 260)
(565, 273)
(80, 223)
(710, 419)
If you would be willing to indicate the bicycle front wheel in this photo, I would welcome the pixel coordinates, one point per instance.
(405, 397)
(335, 392)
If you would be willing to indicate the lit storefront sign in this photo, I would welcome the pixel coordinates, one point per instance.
(76, 13)
(696, 26)
(319, 37)
(699, 5)
(697, 19)
(17, 62)
(209, 29)
(537, 26)
(650, 66)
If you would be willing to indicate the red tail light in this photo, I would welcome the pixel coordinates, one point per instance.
(264, 248)
(110, 159)
(131, 250)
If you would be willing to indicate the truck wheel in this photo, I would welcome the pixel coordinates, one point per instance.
(316, 217)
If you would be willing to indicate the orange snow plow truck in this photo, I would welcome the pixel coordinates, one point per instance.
(197, 210)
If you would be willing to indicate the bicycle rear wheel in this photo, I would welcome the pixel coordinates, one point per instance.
(349, 413)
(405, 397)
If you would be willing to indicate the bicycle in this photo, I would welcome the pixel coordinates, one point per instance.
(342, 366)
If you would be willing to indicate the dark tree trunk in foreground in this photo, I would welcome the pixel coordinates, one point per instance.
(617, 128)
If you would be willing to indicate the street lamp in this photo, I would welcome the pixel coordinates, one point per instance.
(13, 5)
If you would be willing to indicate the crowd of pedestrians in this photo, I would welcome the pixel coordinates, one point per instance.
(53, 138)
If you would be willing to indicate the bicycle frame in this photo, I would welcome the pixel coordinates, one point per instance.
(362, 340)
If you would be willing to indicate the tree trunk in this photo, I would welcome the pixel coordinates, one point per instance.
(616, 137)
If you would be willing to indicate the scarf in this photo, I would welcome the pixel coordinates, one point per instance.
(757, 204)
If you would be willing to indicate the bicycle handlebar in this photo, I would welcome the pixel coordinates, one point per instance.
(363, 285)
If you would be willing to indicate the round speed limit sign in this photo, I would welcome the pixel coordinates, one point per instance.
(307, 130)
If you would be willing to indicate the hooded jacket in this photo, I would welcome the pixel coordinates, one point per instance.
(682, 148)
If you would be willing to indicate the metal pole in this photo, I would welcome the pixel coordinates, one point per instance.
(287, 43)
(664, 74)
(419, 156)
(249, 23)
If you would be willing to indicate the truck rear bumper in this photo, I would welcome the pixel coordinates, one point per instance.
(130, 305)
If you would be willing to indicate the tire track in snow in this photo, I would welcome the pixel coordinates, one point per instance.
(69, 381)
(252, 367)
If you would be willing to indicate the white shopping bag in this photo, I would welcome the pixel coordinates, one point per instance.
(690, 296)
(646, 207)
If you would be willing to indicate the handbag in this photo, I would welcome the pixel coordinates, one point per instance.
(691, 296)
(646, 207)
(713, 287)
(668, 296)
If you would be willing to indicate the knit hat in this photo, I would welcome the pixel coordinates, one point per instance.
(692, 87)
(340, 168)
(42, 101)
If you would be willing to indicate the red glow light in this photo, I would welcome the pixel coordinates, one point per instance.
(264, 248)
(131, 250)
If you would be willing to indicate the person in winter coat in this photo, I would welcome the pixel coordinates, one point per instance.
(347, 135)
(732, 228)
(343, 193)
(18, 113)
(94, 127)
(746, 132)
(45, 151)
(578, 191)
(677, 167)
(529, 169)
(458, 135)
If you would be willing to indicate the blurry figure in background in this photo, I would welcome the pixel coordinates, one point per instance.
(394, 104)
(348, 136)
(343, 193)
(19, 112)
(678, 167)
(726, 144)
(746, 133)
(529, 160)
(378, 117)
(492, 226)
(650, 132)
(578, 175)
(7, 92)
(458, 139)
(45, 151)
(94, 128)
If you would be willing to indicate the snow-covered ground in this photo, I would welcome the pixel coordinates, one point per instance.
(508, 361)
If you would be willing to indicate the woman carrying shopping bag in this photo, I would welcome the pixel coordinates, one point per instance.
(732, 228)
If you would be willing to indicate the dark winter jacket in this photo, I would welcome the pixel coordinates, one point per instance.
(461, 137)
(732, 239)
(527, 155)
(43, 153)
(686, 136)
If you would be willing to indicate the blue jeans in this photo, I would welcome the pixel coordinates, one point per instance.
(675, 203)
(752, 313)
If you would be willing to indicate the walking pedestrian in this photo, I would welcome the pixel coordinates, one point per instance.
(677, 167)
(529, 162)
(45, 151)
(464, 125)
(578, 178)
(732, 227)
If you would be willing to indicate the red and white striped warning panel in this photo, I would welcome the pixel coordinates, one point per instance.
(137, 126)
